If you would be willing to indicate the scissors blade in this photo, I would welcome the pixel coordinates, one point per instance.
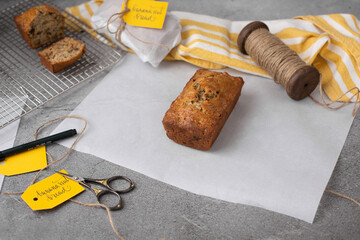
(74, 178)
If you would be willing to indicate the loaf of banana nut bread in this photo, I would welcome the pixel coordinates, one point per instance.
(40, 25)
(198, 114)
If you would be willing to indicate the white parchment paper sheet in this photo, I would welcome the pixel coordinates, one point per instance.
(273, 152)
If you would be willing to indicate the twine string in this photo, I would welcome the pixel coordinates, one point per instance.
(343, 196)
(68, 151)
(52, 162)
(122, 24)
(108, 212)
(343, 103)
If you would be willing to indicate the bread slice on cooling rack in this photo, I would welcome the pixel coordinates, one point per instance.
(62, 54)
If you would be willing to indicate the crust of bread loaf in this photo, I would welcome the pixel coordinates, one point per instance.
(58, 66)
(24, 20)
(198, 114)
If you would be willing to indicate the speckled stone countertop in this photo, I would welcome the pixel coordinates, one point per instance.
(155, 210)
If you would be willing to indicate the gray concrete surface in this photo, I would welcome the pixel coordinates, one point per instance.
(155, 210)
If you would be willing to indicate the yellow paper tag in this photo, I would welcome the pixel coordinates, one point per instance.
(50, 192)
(144, 13)
(24, 162)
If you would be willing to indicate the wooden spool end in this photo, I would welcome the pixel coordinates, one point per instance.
(302, 82)
(245, 33)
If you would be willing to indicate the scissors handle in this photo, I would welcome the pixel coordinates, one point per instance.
(99, 193)
(111, 179)
(107, 183)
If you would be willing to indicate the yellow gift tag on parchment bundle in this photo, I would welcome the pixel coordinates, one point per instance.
(24, 162)
(144, 13)
(50, 192)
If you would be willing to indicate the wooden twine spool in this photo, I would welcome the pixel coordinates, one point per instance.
(278, 60)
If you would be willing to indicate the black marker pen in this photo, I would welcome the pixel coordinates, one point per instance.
(36, 143)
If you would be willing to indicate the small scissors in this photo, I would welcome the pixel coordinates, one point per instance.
(104, 183)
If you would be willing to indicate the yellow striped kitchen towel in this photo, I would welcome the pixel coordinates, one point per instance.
(330, 42)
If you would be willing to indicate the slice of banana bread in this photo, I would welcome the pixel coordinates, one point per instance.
(62, 54)
(40, 25)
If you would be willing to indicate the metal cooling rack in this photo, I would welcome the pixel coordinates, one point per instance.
(25, 83)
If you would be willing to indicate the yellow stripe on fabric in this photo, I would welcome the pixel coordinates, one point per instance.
(341, 21)
(169, 58)
(351, 44)
(222, 59)
(287, 33)
(353, 61)
(76, 12)
(88, 8)
(99, 2)
(210, 27)
(329, 84)
(310, 60)
(195, 61)
(188, 45)
(305, 59)
(304, 46)
(188, 33)
(341, 69)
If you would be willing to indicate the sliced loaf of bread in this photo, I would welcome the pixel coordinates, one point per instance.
(40, 25)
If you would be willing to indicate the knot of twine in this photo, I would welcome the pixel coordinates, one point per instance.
(122, 27)
(122, 24)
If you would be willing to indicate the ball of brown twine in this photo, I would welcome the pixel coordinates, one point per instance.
(278, 60)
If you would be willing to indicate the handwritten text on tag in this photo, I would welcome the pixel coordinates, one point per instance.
(50, 192)
(145, 13)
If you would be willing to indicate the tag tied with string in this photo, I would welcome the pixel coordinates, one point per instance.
(152, 34)
(51, 192)
(145, 13)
